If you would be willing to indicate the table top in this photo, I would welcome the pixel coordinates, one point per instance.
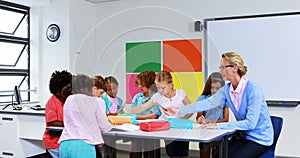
(25, 110)
(197, 134)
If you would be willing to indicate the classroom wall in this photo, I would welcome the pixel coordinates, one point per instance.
(93, 37)
(82, 36)
(75, 20)
(135, 20)
(51, 55)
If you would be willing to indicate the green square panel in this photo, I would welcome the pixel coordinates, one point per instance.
(141, 56)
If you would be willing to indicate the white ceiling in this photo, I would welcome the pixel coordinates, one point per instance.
(30, 2)
(100, 1)
(47, 2)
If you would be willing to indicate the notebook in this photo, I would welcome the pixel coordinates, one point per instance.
(126, 127)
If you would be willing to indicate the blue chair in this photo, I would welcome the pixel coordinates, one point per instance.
(277, 123)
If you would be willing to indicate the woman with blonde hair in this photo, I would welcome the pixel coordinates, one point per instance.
(247, 102)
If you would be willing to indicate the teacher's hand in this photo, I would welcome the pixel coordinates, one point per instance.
(211, 125)
(170, 110)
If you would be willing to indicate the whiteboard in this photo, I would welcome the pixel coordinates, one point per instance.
(269, 45)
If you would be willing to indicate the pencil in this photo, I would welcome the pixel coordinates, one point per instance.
(123, 106)
(162, 107)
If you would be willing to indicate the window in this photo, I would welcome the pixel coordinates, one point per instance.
(14, 51)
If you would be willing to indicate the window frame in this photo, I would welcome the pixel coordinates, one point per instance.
(5, 37)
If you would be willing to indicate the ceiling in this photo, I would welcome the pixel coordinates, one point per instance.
(99, 1)
(30, 2)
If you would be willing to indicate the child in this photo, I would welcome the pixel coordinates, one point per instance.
(220, 114)
(115, 106)
(146, 82)
(84, 119)
(168, 96)
(101, 91)
(99, 86)
(54, 108)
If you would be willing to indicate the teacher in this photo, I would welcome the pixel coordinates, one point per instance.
(246, 101)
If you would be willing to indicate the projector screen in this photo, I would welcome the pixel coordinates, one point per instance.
(269, 45)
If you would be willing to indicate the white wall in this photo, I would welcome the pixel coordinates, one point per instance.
(52, 55)
(123, 21)
(82, 36)
(99, 31)
(75, 20)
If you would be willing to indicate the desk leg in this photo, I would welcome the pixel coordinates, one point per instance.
(139, 147)
(151, 148)
(109, 148)
(223, 150)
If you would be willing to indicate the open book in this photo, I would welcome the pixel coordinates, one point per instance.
(126, 127)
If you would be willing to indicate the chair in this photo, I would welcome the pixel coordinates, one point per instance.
(277, 123)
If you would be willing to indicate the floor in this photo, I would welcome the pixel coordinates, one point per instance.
(125, 154)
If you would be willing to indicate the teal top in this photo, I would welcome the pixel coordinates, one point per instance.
(140, 99)
(109, 103)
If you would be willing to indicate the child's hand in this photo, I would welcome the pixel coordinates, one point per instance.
(112, 114)
(201, 119)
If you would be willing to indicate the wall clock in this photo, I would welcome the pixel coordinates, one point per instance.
(53, 32)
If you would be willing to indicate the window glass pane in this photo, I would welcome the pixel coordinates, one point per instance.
(24, 93)
(22, 29)
(7, 84)
(11, 19)
(6, 99)
(14, 57)
(10, 53)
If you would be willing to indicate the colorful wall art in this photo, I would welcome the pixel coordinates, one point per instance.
(183, 58)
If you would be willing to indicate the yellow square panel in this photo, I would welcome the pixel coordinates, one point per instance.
(190, 82)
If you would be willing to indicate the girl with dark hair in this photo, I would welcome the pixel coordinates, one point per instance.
(60, 87)
(219, 114)
(99, 86)
(113, 102)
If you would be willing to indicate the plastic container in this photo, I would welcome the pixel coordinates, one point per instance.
(154, 126)
(180, 123)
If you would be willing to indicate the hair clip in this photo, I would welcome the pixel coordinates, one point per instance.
(217, 79)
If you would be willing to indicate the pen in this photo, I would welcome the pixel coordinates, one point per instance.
(123, 106)
(162, 107)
